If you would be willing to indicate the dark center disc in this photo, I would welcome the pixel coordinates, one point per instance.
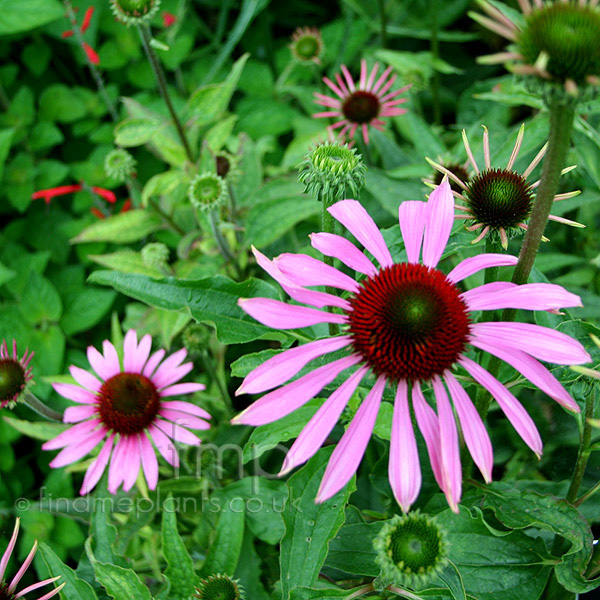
(361, 107)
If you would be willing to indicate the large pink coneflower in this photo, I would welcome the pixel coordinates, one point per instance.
(411, 326)
(358, 106)
(8, 591)
(127, 408)
(15, 373)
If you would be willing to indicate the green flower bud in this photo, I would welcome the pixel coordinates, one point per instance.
(134, 12)
(207, 191)
(227, 166)
(119, 164)
(156, 255)
(307, 45)
(219, 587)
(196, 337)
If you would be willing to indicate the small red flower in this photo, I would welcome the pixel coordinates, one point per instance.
(62, 190)
(168, 19)
(87, 19)
(91, 53)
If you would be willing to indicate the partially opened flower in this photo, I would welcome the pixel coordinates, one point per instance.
(411, 326)
(358, 106)
(498, 201)
(557, 42)
(307, 45)
(8, 591)
(15, 373)
(127, 408)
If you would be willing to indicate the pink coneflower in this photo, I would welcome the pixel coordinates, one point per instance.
(411, 326)
(127, 408)
(15, 373)
(497, 201)
(362, 105)
(8, 591)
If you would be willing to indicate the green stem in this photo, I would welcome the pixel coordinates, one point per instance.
(361, 591)
(222, 243)
(585, 497)
(210, 369)
(146, 37)
(40, 408)
(329, 227)
(435, 52)
(383, 23)
(403, 593)
(167, 218)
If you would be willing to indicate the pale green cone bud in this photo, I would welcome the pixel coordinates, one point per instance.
(207, 191)
(134, 12)
(119, 164)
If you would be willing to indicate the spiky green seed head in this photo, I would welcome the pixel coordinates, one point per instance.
(411, 549)
(119, 164)
(307, 45)
(134, 12)
(196, 337)
(332, 171)
(219, 587)
(207, 191)
(156, 255)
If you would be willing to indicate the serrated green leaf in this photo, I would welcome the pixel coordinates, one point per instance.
(135, 132)
(122, 228)
(40, 300)
(126, 261)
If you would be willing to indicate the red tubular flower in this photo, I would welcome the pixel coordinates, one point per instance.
(67, 34)
(168, 19)
(62, 190)
(87, 19)
(91, 54)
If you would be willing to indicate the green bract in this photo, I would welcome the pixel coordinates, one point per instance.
(220, 587)
(207, 191)
(133, 12)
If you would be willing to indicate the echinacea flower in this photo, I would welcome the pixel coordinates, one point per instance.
(8, 591)
(15, 373)
(498, 201)
(358, 106)
(410, 325)
(126, 407)
(307, 45)
(558, 42)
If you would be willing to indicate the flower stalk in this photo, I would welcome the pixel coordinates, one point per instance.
(40, 408)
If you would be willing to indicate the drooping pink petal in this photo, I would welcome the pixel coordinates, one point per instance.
(177, 433)
(163, 375)
(306, 270)
(153, 362)
(9, 549)
(96, 469)
(530, 368)
(439, 223)
(164, 445)
(283, 366)
(474, 431)
(186, 407)
(404, 470)
(529, 296)
(412, 216)
(73, 435)
(133, 463)
(357, 221)
(35, 586)
(183, 418)
(181, 388)
(75, 393)
(427, 421)
(111, 358)
(349, 451)
(24, 567)
(344, 250)
(543, 343)
(279, 315)
(75, 414)
(116, 470)
(149, 461)
(129, 351)
(323, 421)
(510, 406)
(473, 298)
(87, 380)
(473, 264)
(286, 399)
(75, 451)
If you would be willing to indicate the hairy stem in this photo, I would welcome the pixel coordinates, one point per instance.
(40, 408)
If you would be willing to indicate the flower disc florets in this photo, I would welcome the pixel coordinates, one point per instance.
(220, 587)
(307, 45)
(207, 191)
(15, 373)
(133, 12)
(410, 549)
(332, 170)
(119, 164)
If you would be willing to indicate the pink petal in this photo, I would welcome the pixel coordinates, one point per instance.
(279, 315)
(39, 584)
(412, 216)
(357, 221)
(439, 223)
(73, 435)
(473, 298)
(365, 133)
(11, 544)
(24, 567)
(449, 449)
(142, 354)
(180, 389)
(530, 368)
(474, 431)
(334, 88)
(363, 75)
(149, 462)
(511, 407)
(470, 266)
(285, 365)
(186, 407)
(348, 77)
(286, 399)
(153, 362)
(75, 414)
(427, 421)
(327, 113)
(177, 433)
(132, 466)
(163, 375)
(323, 421)
(164, 445)
(87, 380)
(381, 79)
(529, 296)
(183, 418)
(99, 363)
(541, 342)
(129, 350)
(111, 358)
(306, 270)
(404, 470)
(75, 451)
(75, 393)
(350, 449)
(96, 469)
(116, 470)
(344, 250)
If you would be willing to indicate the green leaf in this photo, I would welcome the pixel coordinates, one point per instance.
(85, 308)
(180, 567)
(122, 228)
(38, 430)
(212, 300)
(249, 570)
(126, 261)
(135, 132)
(217, 135)
(75, 588)
(162, 184)
(59, 102)
(16, 17)
(6, 136)
(309, 526)
(351, 550)
(40, 301)
(305, 593)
